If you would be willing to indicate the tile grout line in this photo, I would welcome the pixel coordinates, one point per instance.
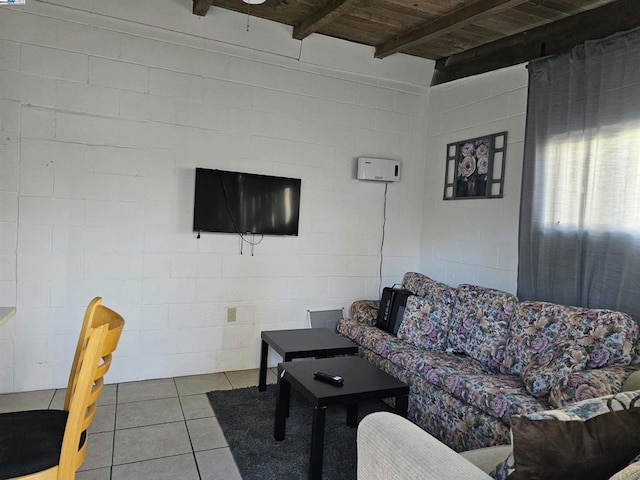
(228, 379)
(134, 462)
(108, 471)
(113, 441)
(52, 397)
(186, 426)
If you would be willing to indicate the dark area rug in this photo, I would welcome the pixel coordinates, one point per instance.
(247, 418)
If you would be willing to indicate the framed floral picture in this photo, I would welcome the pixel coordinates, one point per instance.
(475, 168)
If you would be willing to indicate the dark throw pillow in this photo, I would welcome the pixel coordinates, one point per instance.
(592, 439)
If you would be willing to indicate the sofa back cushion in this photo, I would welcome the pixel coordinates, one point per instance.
(552, 365)
(480, 324)
(608, 337)
(426, 318)
(420, 284)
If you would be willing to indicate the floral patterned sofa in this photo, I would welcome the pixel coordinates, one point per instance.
(474, 356)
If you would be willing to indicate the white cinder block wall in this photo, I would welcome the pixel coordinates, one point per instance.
(474, 241)
(106, 108)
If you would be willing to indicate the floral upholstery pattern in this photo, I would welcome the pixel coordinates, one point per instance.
(590, 408)
(504, 469)
(500, 396)
(472, 371)
(480, 322)
(449, 419)
(535, 326)
(420, 284)
(583, 385)
(370, 337)
(459, 425)
(365, 311)
(425, 322)
(497, 395)
(608, 337)
(552, 364)
(432, 364)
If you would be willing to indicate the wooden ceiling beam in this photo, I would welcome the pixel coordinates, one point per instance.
(331, 10)
(201, 7)
(552, 38)
(443, 25)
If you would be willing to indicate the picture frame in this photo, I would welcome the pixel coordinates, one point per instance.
(475, 168)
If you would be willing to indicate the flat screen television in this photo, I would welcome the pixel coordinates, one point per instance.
(235, 202)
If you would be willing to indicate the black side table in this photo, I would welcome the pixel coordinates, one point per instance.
(302, 343)
(362, 381)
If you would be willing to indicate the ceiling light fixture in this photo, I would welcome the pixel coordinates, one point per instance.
(249, 3)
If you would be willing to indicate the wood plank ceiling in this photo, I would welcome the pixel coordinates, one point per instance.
(464, 37)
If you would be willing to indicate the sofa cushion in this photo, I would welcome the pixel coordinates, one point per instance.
(609, 337)
(591, 439)
(458, 425)
(425, 322)
(365, 311)
(434, 365)
(534, 328)
(480, 324)
(418, 283)
(370, 337)
(501, 396)
(586, 384)
(552, 364)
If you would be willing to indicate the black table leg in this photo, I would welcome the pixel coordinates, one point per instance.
(317, 443)
(286, 358)
(402, 405)
(352, 415)
(262, 376)
(282, 406)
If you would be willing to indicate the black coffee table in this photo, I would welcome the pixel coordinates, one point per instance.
(362, 381)
(302, 343)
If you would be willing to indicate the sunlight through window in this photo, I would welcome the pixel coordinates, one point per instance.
(608, 163)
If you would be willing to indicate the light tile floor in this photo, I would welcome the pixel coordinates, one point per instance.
(152, 429)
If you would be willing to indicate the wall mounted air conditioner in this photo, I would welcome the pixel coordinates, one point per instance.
(378, 169)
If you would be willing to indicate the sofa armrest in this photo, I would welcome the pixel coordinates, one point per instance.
(632, 382)
(389, 446)
(365, 311)
(591, 384)
(487, 458)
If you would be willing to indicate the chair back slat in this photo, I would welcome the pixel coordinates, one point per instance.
(96, 344)
(78, 405)
(95, 315)
(91, 412)
(89, 315)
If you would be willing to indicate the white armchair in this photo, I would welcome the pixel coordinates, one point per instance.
(392, 448)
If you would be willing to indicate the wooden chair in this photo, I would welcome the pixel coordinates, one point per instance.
(95, 315)
(52, 444)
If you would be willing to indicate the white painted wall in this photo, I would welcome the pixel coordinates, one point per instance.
(474, 241)
(103, 118)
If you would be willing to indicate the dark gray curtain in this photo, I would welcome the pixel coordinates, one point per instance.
(580, 208)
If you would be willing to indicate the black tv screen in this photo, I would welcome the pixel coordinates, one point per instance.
(235, 202)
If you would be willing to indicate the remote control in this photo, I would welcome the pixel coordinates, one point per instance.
(326, 377)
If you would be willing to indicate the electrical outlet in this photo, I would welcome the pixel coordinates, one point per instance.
(231, 314)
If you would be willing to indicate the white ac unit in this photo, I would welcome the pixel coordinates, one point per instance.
(378, 169)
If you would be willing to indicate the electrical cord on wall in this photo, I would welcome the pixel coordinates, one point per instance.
(384, 224)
